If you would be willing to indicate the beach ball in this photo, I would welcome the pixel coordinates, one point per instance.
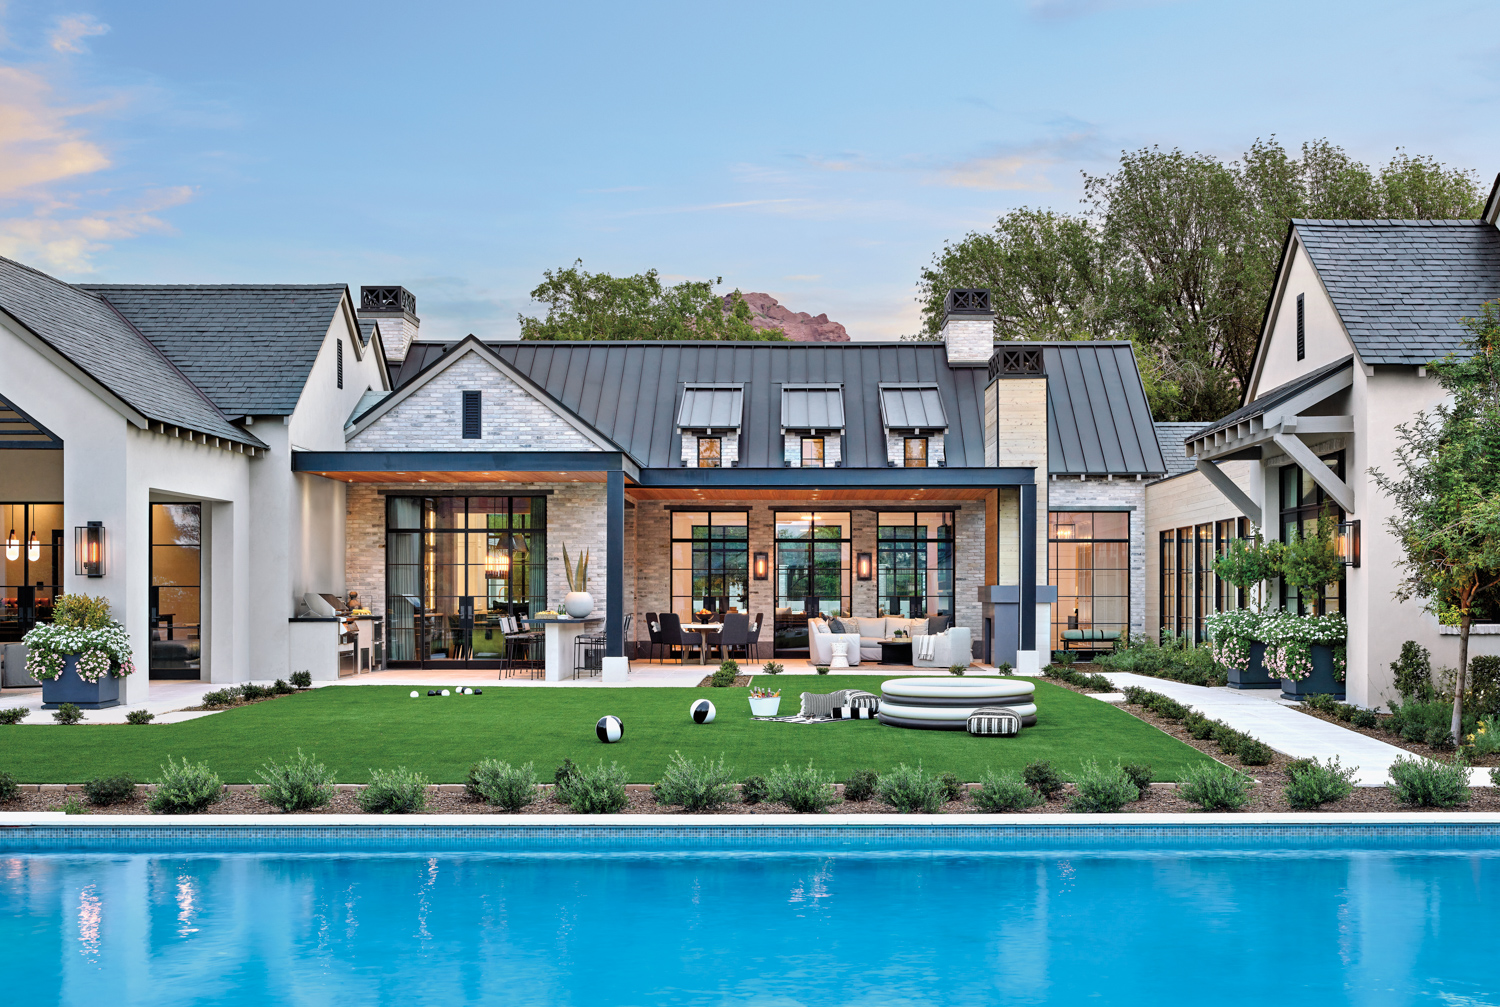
(445, 692)
(414, 694)
(702, 711)
(609, 729)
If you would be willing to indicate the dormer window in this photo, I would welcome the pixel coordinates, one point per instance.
(709, 420)
(916, 452)
(812, 425)
(915, 424)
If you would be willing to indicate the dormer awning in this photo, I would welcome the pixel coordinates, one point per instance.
(917, 408)
(711, 407)
(812, 408)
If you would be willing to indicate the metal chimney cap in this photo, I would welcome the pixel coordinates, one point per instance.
(393, 300)
(968, 301)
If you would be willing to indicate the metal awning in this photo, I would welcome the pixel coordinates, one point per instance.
(711, 407)
(812, 408)
(913, 407)
(1275, 420)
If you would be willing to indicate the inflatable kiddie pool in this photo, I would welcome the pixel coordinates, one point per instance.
(944, 704)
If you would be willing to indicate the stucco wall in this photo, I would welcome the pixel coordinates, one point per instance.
(1324, 337)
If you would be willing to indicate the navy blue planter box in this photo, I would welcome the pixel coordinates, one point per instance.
(69, 688)
(1255, 676)
(1320, 683)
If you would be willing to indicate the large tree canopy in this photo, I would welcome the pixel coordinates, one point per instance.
(583, 305)
(1176, 252)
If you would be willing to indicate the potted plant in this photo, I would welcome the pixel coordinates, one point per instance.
(1250, 565)
(578, 602)
(1310, 649)
(80, 656)
(764, 702)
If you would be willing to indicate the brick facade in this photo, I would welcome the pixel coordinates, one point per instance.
(895, 449)
(832, 449)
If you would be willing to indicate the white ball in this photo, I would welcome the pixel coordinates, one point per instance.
(414, 694)
(445, 692)
(609, 730)
(468, 691)
(702, 711)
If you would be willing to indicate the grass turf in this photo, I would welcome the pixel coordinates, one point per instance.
(354, 730)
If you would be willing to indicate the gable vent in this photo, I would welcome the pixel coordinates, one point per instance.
(471, 416)
(341, 363)
(1301, 330)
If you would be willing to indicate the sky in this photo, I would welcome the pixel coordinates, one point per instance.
(818, 152)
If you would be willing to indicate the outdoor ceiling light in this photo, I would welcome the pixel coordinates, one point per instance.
(88, 550)
(762, 566)
(33, 548)
(864, 568)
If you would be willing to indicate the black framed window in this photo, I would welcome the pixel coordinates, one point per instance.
(455, 565)
(1088, 557)
(176, 591)
(32, 572)
(914, 563)
(814, 575)
(710, 562)
(1302, 502)
(916, 452)
(710, 452)
(812, 452)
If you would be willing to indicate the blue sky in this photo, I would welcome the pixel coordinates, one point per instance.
(821, 152)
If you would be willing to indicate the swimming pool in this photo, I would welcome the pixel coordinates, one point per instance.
(864, 923)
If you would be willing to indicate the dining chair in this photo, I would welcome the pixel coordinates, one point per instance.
(760, 617)
(653, 632)
(671, 633)
(736, 634)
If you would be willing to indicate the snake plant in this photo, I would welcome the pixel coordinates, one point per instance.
(578, 578)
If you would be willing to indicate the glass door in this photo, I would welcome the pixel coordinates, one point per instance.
(812, 574)
(31, 574)
(176, 631)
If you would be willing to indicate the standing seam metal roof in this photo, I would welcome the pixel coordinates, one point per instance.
(912, 407)
(85, 328)
(250, 347)
(629, 392)
(711, 407)
(1402, 287)
(812, 407)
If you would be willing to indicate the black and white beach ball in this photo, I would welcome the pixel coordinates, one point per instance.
(702, 711)
(609, 729)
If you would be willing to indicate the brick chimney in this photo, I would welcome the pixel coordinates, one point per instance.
(395, 309)
(968, 327)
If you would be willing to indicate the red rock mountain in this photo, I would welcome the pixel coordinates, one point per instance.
(768, 313)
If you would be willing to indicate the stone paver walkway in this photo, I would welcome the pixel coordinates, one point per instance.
(1291, 732)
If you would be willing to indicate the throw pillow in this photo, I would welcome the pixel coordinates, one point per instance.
(836, 625)
(820, 705)
(936, 624)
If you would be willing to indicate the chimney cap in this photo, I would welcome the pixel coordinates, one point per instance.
(967, 301)
(387, 300)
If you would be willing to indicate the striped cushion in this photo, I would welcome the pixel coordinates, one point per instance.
(860, 698)
(821, 705)
(853, 713)
(999, 721)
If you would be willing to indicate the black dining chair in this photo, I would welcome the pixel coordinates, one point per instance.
(653, 631)
(671, 633)
(760, 617)
(736, 635)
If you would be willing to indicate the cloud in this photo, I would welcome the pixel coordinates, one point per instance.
(37, 142)
(1025, 168)
(71, 29)
(64, 235)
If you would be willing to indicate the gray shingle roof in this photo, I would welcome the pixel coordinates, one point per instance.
(85, 329)
(248, 346)
(630, 392)
(812, 407)
(1274, 396)
(1172, 437)
(1401, 286)
(1098, 420)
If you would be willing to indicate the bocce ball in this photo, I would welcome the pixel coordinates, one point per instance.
(609, 729)
(445, 692)
(702, 711)
(414, 694)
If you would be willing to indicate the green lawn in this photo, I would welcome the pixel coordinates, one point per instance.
(355, 730)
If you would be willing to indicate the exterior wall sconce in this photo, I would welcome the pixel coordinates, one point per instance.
(88, 550)
(1346, 540)
(864, 566)
(761, 567)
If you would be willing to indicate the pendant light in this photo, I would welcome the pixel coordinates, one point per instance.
(12, 544)
(34, 548)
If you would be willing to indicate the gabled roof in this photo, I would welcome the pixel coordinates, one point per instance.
(250, 347)
(1275, 397)
(1402, 286)
(1098, 419)
(87, 331)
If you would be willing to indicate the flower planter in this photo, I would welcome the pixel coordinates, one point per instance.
(1320, 683)
(1255, 676)
(767, 707)
(69, 688)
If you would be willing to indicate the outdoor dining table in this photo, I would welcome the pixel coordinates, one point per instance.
(703, 629)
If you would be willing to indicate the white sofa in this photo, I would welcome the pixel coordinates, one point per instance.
(954, 646)
(820, 644)
(868, 631)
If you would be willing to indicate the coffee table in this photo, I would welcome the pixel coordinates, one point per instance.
(895, 651)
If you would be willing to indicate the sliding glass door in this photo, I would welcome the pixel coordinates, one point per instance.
(812, 574)
(454, 567)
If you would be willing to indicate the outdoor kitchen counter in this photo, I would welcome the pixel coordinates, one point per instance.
(559, 637)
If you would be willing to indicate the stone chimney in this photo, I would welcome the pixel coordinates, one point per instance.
(968, 327)
(395, 308)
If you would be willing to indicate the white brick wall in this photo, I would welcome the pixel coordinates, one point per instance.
(970, 340)
(832, 449)
(512, 419)
(1071, 494)
(729, 449)
(895, 449)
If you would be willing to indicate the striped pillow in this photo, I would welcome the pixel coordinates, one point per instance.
(995, 721)
(853, 713)
(820, 705)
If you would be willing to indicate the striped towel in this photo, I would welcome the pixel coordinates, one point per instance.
(923, 647)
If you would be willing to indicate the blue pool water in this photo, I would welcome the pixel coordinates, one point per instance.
(784, 927)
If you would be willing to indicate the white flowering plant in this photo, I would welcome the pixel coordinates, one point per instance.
(1290, 638)
(81, 626)
(1231, 634)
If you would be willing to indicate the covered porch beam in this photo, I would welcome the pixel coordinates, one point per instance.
(1317, 469)
(1230, 489)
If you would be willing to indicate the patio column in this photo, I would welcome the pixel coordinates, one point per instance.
(1027, 659)
(616, 665)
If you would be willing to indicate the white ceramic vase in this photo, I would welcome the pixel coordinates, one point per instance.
(578, 604)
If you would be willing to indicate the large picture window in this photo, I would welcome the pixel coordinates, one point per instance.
(32, 571)
(1302, 502)
(914, 562)
(1190, 591)
(1089, 560)
(710, 562)
(813, 575)
(454, 567)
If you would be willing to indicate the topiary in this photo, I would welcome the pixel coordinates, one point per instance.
(68, 713)
(302, 679)
(139, 717)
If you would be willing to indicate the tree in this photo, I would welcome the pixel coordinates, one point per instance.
(1447, 489)
(1177, 253)
(584, 306)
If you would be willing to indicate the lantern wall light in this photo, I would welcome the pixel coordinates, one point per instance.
(864, 566)
(88, 549)
(761, 567)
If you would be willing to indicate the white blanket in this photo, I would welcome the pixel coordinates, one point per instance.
(923, 647)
